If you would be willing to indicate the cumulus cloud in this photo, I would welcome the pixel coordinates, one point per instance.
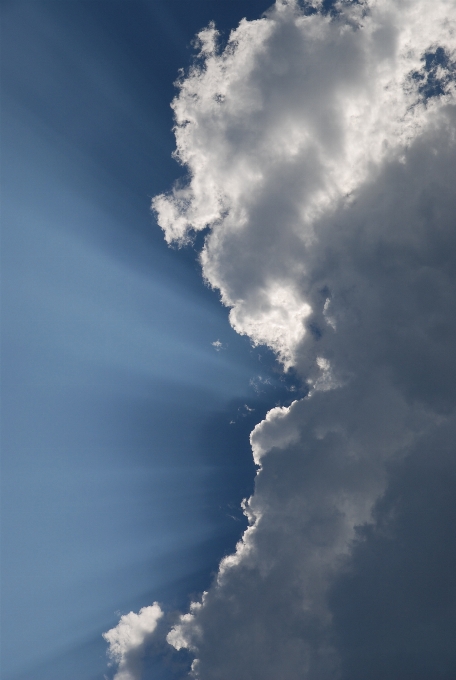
(321, 157)
(128, 639)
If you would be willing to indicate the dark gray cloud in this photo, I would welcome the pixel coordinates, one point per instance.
(387, 264)
(394, 604)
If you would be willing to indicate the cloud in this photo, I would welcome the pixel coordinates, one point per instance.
(394, 602)
(321, 158)
(128, 639)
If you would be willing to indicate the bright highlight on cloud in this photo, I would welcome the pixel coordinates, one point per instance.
(320, 150)
(128, 639)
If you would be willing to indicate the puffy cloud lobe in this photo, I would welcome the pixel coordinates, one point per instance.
(322, 156)
(278, 435)
(128, 639)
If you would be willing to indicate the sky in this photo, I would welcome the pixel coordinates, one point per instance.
(228, 394)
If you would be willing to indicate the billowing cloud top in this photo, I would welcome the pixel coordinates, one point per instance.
(320, 150)
(283, 126)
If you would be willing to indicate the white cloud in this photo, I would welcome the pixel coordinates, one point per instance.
(322, 156)
(276, 129)
(127, 640)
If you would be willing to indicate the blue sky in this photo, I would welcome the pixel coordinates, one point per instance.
(117, 489)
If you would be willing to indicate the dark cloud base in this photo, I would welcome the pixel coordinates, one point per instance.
(394, 606)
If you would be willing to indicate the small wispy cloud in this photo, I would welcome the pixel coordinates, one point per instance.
(259, 383)
(218, 345)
